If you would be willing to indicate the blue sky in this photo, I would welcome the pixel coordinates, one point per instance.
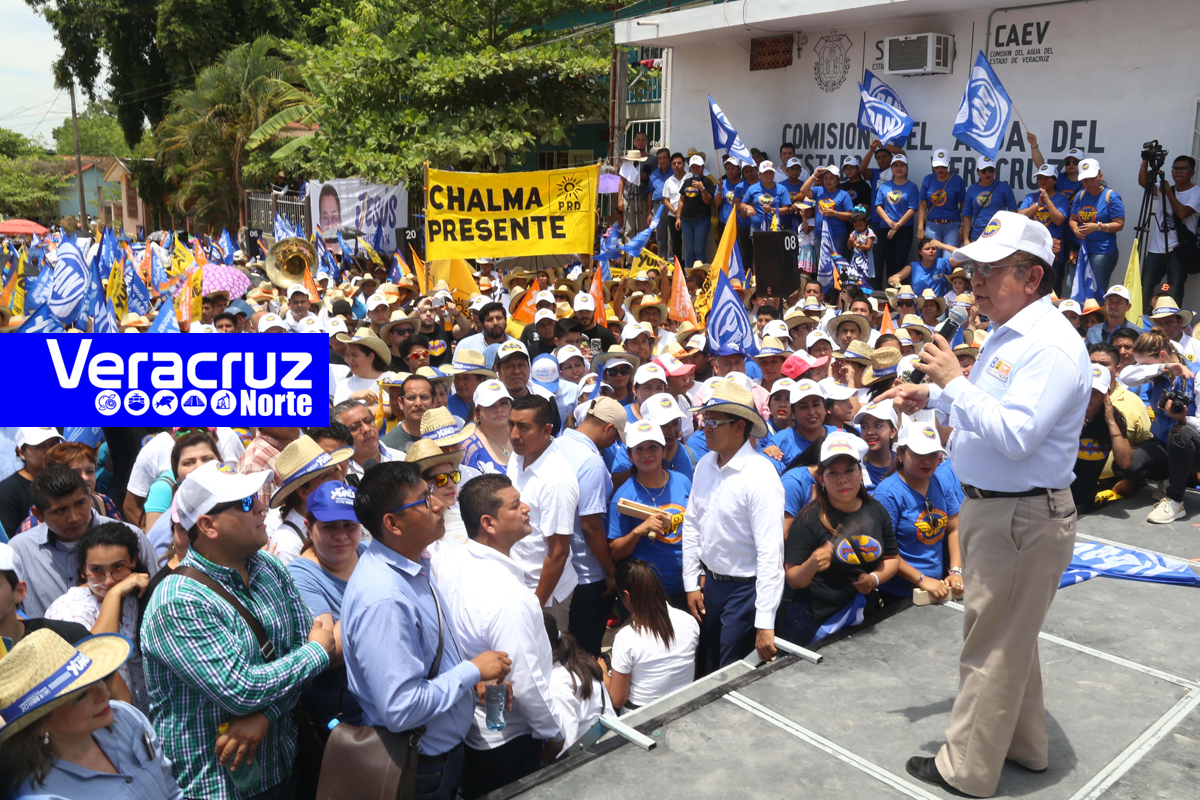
(29, 103)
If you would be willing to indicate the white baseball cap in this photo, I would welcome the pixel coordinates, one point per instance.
(1120, 291)
(1089, 168)
(1004, 235)
(900, 157)
(269, 321)
(584, 302)
(310, 325)
(984, 162)
(882, 409)
(202, 327)
(817, 336)
(1075, 152)
(296, 288)
(643, 431)
(783, 385)
(661, 409)
(840, 443)
(831, 168)
(488, 393)
(1070, 305)
(336, 325)
(803, 389)
(766, 166)
(544, 313)
(940, 159)
(649, 372)
(836, 391)
(920, 438)
(635, 329)
(695, 161)
(777, 328)
(511, 348)
(567, 352)
(794, 162)
(212, 484)
(374, 301)
(1049, 170)
(478, 303)
(35, 436)
(849, 161)
(10, 561)
(545, 296)
(1101, 378)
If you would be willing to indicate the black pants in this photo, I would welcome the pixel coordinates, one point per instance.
(1159, 268)
(894, 251)
(745, 245)
(487, 770)
(676, 235)
(589, 615)
(1176, 460)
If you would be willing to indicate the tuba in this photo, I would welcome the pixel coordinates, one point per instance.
(288, 258)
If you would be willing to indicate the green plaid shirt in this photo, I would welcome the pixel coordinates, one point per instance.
(203, 666)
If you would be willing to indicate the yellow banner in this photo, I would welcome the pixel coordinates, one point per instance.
(476, 214)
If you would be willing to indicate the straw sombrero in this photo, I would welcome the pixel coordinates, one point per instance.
(798, 316)
(928, 295)
(132, 320)
(616, 352)
(398, 318)
(650, 301)
(438, 426)
(517, 274)
(1166, 307)
(686, 331)
(433, 375)
(468, 362)
(302, 461)
(43, 671)
(857, 352)
(863, 324)
(426, 453)
(883, 365)
(905, 292)
(729, 397)
(915, 325)
(515, 298)
(367, 338)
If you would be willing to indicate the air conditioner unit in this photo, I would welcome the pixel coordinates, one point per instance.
(919, 54)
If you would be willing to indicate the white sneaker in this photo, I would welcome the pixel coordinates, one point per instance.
(1166, 511)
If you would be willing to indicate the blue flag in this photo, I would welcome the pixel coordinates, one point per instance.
(108, 252)
(728, 323)
(106, 320)
(70, 283)
(139, 295)
(377, 240)
(724, 135)
(89, 436)
(634, 247)
(848, 616)
(737, 270)
(94, 301)
(345, 248)
(399, 268)
(1093, 558)
(1083, 285)
(227, 247)
(881, 118)
(41, 321)
(283, 230)
(165, 322)
(984, 112)
(158, 268)
(825, 264)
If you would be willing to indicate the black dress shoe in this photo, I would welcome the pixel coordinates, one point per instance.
(925, 769)
(1027, 769)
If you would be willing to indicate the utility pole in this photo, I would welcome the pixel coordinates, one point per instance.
(78, 161)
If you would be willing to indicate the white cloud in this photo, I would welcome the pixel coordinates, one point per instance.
(28, 50)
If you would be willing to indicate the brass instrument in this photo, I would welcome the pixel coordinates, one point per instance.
(287, 260)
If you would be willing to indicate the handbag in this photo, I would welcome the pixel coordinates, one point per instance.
(364, 761)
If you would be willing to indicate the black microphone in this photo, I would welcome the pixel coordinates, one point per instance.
(954, 320)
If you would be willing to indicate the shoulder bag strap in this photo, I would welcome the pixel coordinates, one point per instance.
(437, 657)
(265, 645)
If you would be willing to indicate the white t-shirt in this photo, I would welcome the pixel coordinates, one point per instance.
(577, 715)
(1191, 198)
(654, 669)
(351, 384)
(81, 606)
(287, 538)
(672, 189)
(155, 458)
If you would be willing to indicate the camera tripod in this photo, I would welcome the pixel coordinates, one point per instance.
(1154, 156)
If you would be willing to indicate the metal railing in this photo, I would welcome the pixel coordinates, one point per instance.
(261, 208)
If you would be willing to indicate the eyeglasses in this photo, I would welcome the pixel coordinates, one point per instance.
(97, 573)
(441, 480)
(984, 271)
(1071, 162)
(427, 499)
(619, 370)
(713, 424)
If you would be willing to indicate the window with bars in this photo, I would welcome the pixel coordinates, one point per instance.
(774, 52)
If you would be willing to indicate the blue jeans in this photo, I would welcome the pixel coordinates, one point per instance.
(440, 781)
(695, 239)
(944, 232)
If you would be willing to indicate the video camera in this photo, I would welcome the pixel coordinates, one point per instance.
(1154, 154)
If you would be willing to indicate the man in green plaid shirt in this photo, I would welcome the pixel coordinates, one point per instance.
(203, 664)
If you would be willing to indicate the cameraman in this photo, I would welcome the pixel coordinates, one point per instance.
(1164, 257)
(1172, 450)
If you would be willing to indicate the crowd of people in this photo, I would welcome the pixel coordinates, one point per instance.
(592, 509)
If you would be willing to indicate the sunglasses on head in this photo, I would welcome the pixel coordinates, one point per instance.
(443, 479)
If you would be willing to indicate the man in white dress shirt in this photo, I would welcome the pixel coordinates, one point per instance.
(733, 534)
(298, 301)
(488, 602)
(546, 481)
(1016, 427)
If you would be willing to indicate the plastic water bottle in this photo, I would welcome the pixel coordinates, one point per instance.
(246, 776)
(495, 696)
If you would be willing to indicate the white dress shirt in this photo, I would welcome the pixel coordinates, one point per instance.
(1017, 418)
(1190, 348)
(548, 485)
(734, 526)
(490, 607)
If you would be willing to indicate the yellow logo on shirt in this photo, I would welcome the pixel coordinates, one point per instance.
(931, 526)
(1090, 450)
(938, 197)
(1042, 215)
(983, 198)
(895, 197)
(1087, 214)
(673, 530)
(827, 205)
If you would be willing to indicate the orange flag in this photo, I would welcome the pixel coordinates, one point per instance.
(528, 308)
(314, 294)
(597, 293)
(886, 326)
(183, 305)
(144, 269)
(680, 308)
(198, 251)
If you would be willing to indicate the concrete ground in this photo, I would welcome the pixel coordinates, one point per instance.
(1120, 663)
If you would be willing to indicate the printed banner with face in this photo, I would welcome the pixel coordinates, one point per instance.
(366, 206)
(474, 214)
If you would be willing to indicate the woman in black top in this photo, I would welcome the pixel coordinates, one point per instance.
(841, 545)
(695, 216)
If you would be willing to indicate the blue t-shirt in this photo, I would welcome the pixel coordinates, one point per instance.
(837, 200)
(898, 199)
(936, 277)
(1060, 201)
(792, 221)
(792, 444)
(655, 184)
(765, 203)
(1068, 187)
(616, 457)
(876, 473)
(664, 554)
(797, 490)
(477, 456)
(984, 201)
(920, 522)
(731, 195)
(943, 201)
(1104, 207)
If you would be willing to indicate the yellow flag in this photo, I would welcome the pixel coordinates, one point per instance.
(372, 253)
(720, 263)
(117, 291)
(181, 259)
(458, 277)
(424, 272)
(1133, 282)
(196, 282)
(14, 291)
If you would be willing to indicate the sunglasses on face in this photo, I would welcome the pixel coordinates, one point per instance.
(244, 505)
(982, 270)
(425, 499)
(444, 479)
(98, 574)
(1071, 162)
(619, 370)
(988, 171)
(416, 355)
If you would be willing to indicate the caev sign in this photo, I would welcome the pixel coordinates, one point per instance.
(159, 379)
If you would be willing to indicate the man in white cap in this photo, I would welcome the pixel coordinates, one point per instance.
(298, 301)
(984, 198)
(585, 311)
(16, 493)
(1016, 427)
(1116, 306)
(939, 215)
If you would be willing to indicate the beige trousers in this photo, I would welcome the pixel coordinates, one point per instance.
(1014, 553)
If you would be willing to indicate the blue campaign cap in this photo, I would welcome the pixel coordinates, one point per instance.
(332, 501)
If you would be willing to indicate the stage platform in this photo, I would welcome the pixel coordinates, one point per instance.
(1120, 662)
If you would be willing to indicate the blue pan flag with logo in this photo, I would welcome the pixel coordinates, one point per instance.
(725, 137)
(70, 283)
(377, 240)
(109, 251)
(227, 248)
(825, 263)
(633, 248)
(847, 617)
(984, 112)
(106, 320)
(1083, 285)
(165, 322)
(89, 436)
(886, 121)
(139, 295)
(610, 248)
(1093, 558)
(41, 321)
(728, 323)
(873, 86)
(398, 269)
(737, 270)
(345, 248)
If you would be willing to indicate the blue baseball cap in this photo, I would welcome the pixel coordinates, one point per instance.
(332, 501)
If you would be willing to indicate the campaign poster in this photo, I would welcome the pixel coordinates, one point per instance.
(353, 202)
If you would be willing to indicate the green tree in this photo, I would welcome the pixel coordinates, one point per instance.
(460, 83)
(30, 191)
(99, 133)
(202, 141)
(16, 145)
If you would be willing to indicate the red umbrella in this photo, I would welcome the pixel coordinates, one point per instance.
(17, 227)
